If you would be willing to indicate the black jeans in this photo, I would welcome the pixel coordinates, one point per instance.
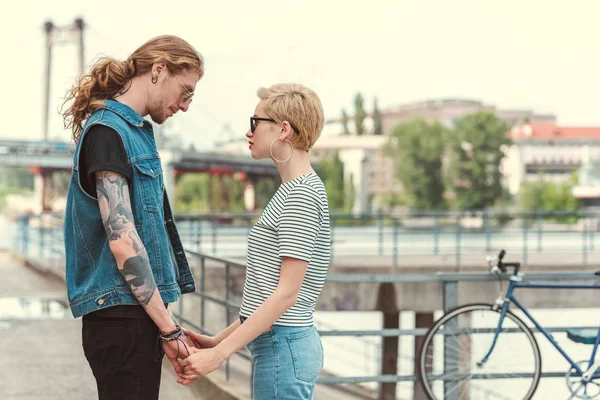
(120, 344)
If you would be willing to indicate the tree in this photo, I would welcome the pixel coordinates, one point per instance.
(191, 193)
(377, 127)
(548, 196)
(359, 114)
(416, 148)
(265, 189)
(475, 152)
(340, 190)
(345, 122)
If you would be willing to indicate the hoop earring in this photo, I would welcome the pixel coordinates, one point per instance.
(271, 150)
(154, 79)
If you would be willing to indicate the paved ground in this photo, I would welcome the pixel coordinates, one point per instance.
(41, 358)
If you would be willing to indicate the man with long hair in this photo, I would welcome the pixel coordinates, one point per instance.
(124, 260)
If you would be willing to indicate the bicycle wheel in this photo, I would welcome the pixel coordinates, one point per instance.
(450, 360)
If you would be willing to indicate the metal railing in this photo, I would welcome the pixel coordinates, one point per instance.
(418, 232)
(41, 238)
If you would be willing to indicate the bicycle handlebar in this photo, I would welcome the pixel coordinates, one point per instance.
(503, 266)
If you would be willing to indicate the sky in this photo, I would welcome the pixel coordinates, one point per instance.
(532, 54)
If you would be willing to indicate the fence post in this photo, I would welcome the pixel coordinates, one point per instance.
(380, 226)
(525, 232)
(436, 234)
(458, 234)
(227, 311)
(26, 235)
(198, 232)
(202, 291)
(488, 231)
(584, 239)
(214, 236)
(539, 229)
(395, 225)
(41, 235)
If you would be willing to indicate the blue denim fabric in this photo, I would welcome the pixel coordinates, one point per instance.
(93, 279)
(287, 362)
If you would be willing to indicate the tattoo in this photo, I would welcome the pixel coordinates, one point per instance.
(117, 217)
(137, 273)
(114, 189)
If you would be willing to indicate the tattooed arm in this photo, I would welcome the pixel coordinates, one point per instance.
(127, 247)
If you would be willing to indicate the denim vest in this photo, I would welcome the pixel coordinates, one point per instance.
(93, 279)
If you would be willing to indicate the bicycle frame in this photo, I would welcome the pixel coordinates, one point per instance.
(515, 282)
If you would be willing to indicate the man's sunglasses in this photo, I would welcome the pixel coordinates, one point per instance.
(254, 119)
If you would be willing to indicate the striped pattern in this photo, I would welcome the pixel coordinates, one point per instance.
(294, 224)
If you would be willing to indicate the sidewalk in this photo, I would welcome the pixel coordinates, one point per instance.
(42, 358)
(58, 366)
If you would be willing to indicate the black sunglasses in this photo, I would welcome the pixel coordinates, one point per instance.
(254, 119)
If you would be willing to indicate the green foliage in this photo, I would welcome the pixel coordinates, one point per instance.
(201, 193)
(475, 152)
(265, 189)
(345, 122)
(340, 190)
(16, 177)
(377, 126)
(548, 196)
(192, 193)
(416, 148)
(359, 114)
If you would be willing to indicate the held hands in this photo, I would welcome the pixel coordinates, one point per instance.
(199, 363)
(204, 358)
(179, 348)
(200, 341)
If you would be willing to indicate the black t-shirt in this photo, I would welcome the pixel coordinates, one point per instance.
(101, 150)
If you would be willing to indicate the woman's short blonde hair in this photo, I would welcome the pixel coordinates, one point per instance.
(298, 105)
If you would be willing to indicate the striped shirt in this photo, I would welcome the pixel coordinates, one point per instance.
(294, 224)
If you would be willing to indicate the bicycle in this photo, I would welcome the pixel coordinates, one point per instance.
(477, 366)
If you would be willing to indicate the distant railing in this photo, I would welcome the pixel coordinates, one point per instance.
(452, 234)
(418, 232)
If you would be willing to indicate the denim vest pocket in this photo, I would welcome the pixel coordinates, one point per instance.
(151, 183)
(306, 355)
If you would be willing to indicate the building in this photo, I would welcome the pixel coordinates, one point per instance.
(378, 168)
(443, 110)
(555, 152)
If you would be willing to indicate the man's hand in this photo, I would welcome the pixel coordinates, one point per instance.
(176, 350)
(200, 341)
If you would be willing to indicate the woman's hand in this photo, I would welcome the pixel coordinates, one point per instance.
(201, 341)
(200, 363)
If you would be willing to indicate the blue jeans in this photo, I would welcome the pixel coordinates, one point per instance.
(286, 363)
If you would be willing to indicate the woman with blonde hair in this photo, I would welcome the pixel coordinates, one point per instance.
(288, 257)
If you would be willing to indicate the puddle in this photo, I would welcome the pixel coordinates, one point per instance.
(32, 308)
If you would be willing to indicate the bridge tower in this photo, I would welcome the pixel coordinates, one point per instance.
(57, 35)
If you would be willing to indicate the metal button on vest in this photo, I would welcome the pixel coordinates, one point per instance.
(100, 302)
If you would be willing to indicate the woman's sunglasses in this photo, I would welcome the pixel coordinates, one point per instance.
(253, 122)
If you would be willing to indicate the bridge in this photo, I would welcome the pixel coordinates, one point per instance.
(46, 158)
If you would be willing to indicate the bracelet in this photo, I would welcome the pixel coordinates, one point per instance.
(176, 334)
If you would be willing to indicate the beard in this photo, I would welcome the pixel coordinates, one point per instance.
(157, 112)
